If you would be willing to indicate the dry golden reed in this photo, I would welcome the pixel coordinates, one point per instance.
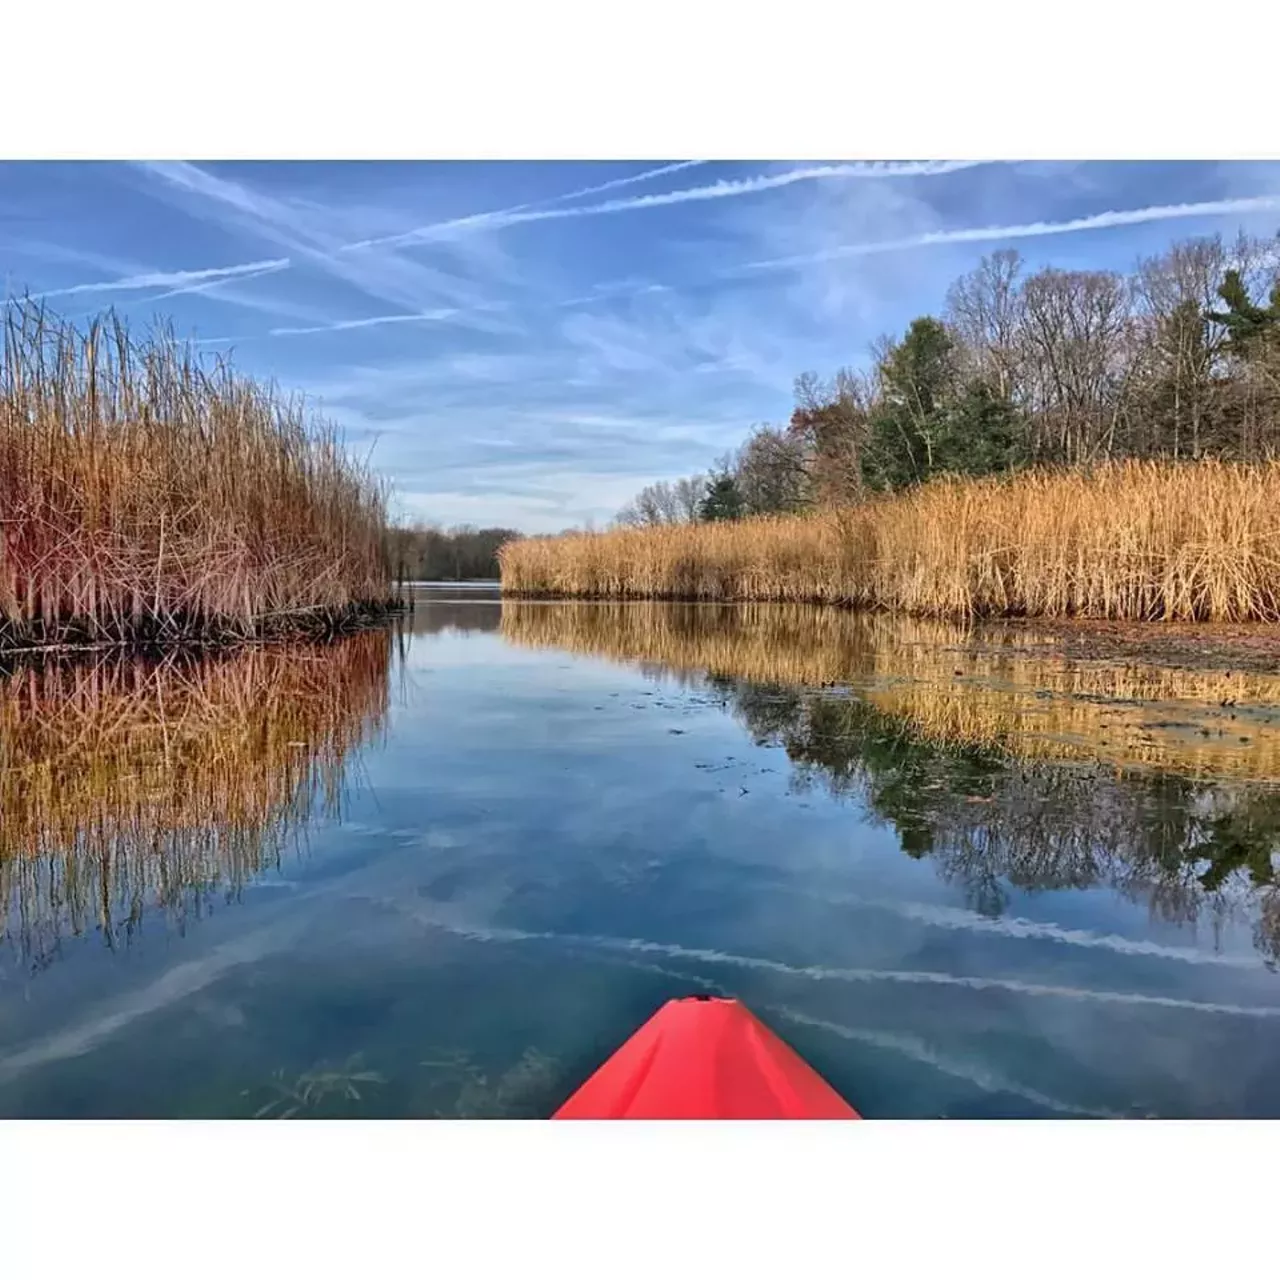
(1132, 540)
(128, 782)
(985, 689)
(146, 497)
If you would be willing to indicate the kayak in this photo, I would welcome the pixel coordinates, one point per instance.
(705, 1058)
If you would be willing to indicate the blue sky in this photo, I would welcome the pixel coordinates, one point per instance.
(529, 343)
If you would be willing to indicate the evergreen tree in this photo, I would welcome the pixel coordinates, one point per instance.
(723, 500)
(1248, 325)
(980, 432)
(905, 428)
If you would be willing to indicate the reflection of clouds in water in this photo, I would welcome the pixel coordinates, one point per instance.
(221, 1014)
(634, 953)
(533, 797)
(918, 1051)
(438, 839)
(1016, 927)
(178, 983)
(283, 927)
(912, 1047)
(452, 922)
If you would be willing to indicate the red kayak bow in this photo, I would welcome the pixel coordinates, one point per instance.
(704, 1058)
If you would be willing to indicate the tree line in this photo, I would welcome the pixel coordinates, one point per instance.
(1179, 358)
(425, 553)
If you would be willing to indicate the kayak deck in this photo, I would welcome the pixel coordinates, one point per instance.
(705, 1058)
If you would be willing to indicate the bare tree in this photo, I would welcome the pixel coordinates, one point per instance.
(664, 503)
(689, 492)
(772, 473)
(830, 424)
(1180, 358)
(1180, 348)
(1074, 343)
(985, 312)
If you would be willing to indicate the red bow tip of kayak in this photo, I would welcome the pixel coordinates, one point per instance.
(705, 1058)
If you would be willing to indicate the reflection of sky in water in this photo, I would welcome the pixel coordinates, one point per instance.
(548, 845)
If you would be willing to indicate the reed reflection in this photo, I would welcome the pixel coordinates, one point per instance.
(1007, 765)
(129, 784)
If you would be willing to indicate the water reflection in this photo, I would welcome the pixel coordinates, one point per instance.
(537, 848)
(128, 785)
(446, 610)
(1006, 765)
(998, 688)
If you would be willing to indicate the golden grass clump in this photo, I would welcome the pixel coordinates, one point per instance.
(1140, 541)
(993, 690)
(129, 782)
(147, 498)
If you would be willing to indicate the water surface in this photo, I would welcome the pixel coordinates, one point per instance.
(443, 871)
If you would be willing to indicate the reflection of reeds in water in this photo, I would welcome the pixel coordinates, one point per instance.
(127, 783)
(991, 689)
(956, 739)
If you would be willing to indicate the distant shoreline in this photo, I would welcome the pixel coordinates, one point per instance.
(1128, 542)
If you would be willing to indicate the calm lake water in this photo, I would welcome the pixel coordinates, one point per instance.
(445, 870)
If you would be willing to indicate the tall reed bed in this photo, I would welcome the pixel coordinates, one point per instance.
(128, 783)
(1141, 541)
(147, 497)
(996, 692)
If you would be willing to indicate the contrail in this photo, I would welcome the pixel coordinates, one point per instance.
(1029, 230)
(917, 1050)
(406, 237)
(614, 183)
(1096, 222)
(444, 313)
(168, 279)
(724, 189)
(210, 286)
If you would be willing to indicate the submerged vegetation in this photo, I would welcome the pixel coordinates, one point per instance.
(1067, 443)
(148, 499)
(1006, 767)
(129, 784)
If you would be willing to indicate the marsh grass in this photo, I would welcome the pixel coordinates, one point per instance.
(954, 684)
(128, 783)
(1141, 541)
(148, 498)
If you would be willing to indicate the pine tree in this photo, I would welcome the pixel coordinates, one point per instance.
(723, 500)
(1248, 325)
